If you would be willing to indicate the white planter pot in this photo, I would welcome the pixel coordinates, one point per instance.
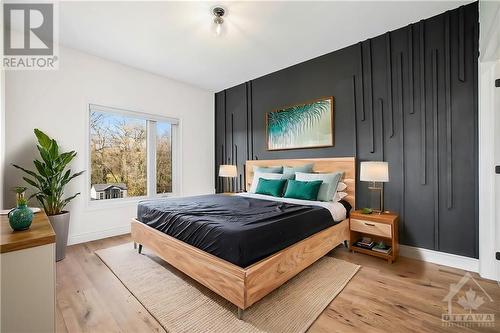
(60, 224)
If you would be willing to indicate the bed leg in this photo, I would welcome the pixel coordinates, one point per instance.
(135, 246)
(240, 314)
(140, 248)
(346, 244)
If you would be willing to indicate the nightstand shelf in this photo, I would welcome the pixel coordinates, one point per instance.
(379, 227)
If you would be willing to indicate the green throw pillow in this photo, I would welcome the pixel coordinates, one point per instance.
(303, 190)
(329, 186)
(289, 172)
(272, 187)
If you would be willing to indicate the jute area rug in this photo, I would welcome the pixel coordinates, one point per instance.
(180, 304)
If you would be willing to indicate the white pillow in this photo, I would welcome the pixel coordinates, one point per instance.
(339, 196)
(264, 175)
(341, 187)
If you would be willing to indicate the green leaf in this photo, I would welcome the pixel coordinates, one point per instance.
(43, 139)
(64, 159)
(34, 195)
(29, 172)
(31, 182)
(73, 176)
(44, 153)
(54, 150)
(40, 168)
(66, 175)
(67, 200)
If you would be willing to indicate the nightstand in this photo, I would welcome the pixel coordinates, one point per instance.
(379, 227)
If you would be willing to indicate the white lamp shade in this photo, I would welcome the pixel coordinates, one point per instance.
(374, 172)
(228, 171)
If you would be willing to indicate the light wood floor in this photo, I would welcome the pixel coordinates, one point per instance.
(403, 297)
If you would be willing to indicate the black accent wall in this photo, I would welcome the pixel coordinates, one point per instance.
(408, 97)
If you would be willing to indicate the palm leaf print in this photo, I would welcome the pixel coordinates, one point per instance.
(283, 125)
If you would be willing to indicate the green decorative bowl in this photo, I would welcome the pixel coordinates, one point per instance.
(366, 210)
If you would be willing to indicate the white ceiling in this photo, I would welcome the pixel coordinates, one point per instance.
(174, 39)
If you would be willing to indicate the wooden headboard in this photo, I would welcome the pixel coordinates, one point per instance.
(321, 165)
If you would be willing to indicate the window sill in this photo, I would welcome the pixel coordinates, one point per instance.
(117, 203)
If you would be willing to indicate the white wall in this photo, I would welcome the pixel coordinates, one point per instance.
(56, 102)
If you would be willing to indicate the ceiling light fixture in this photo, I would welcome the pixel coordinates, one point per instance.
(218, 12)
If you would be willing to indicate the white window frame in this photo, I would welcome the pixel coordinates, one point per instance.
(151, 120)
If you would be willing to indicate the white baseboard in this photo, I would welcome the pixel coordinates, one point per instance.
(94, 235)
(440, 258)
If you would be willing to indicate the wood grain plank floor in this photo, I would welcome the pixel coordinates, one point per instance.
(403, 297)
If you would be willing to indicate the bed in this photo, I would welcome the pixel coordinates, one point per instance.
(244, 246)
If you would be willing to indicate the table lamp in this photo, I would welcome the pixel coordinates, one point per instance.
(375, 172)
(227, 171)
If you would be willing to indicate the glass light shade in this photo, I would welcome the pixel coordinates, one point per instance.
(374, 172)
(228, 171)
(218, 26)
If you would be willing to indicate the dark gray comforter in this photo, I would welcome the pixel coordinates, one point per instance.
(238, 229)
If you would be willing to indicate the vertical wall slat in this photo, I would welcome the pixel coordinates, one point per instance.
(388, 50)
(382, 130)
(370, 96)
(423, 118)
(411, 104)
(362, 75)
(225, 126)
(354, 107)
(236, 186)
(400, 83)
(223, 162)
(248, 118)
(461, 44)
(370, 74)
(251, 121)
(402, 147)
(447, 81)
(355, 126)
(436, 145)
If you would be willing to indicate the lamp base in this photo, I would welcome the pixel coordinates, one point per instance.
(373, 187)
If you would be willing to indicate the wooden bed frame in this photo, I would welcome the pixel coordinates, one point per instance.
(245, 286)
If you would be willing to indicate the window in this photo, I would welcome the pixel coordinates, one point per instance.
(131, 154)
(163, 157)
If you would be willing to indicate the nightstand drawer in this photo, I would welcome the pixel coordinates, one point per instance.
(369, 227)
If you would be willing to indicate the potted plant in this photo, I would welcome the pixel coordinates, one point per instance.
(49, 180)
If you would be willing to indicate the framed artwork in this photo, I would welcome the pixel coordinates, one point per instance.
(308, 125)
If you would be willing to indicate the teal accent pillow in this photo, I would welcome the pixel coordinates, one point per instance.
(329, 186)
(303, 190)
(289, 172)
(273, 169)
(272, 187)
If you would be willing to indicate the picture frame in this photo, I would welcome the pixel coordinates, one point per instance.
(301, 126)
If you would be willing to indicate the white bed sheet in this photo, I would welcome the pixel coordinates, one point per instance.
(337, 210)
